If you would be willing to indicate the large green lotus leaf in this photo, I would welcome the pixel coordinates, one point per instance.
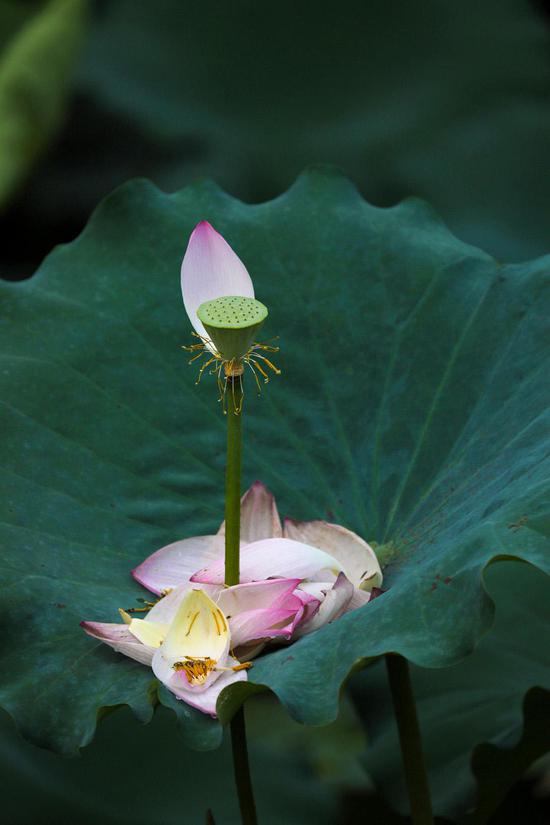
(476, 701)
(412, 408)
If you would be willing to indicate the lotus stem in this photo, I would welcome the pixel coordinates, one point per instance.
(232, 538)
(410, 739)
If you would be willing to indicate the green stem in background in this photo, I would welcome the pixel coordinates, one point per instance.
(410, 740)
(232, 538)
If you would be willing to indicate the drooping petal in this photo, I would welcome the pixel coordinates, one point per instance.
(265, 623)
(270, 558)
(356, 557)
(259, 515)
(204, 700)
(255, 595)
(118, 637)
(210, 269)
(332, 607)
(175, 564)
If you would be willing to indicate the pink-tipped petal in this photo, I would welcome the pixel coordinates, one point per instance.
(120, 639)
(204, 699)
(210, 269)
(266, 623)
(332, 607)
(259, 515)
(175, 564)
(255, 595)
(357, 558)
(272, 558)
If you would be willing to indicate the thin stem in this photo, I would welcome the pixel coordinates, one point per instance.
(410, 740)
(242, 769)
(232, 539)
(233, 481)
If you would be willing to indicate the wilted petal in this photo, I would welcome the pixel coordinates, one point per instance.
(198, 634)
(210, 269)
(255, 595)
(359, 598)
(333, 605)
(259, 515)
(175, 564)
(357, 559)
(118, 637)
(271, 558)
(265, 623)
(204, 700)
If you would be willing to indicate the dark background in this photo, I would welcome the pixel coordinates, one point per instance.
(439, 99)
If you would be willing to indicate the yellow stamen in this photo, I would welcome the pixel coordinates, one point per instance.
(193, 620)
(196, 669)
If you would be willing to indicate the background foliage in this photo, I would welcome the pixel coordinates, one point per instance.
(424, 98)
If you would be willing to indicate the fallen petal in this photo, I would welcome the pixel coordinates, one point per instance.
(332, 607)
(205, 700)
(118, 637)
(356, 557)
(271, 558)
(175, 564)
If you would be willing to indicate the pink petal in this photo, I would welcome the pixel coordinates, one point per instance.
(259, 515)
(332, 607)
(175, 564)
(255, 595)
(120, 639)
(356, 557)
(205, 699)
(266, 623)
(209, 270)
(271, 558)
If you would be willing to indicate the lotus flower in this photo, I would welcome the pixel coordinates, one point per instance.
(336, 568)
(187, 634)
(295, 578)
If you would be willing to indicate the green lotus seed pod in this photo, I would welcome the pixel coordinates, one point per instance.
(232, 323)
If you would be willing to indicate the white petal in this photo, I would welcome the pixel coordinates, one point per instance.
(210, 269)
(272, 558)
(206, 700)
(332, 607)
(357, 558)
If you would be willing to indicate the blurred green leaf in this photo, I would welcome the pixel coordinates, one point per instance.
(35, 71)
(412, 409)
(478, 700)
(145, 776)
(445, 101)
(497, 768)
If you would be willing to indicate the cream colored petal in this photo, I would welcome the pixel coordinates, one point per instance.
(357, 558)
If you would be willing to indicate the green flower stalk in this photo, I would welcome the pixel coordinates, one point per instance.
(219, 299)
